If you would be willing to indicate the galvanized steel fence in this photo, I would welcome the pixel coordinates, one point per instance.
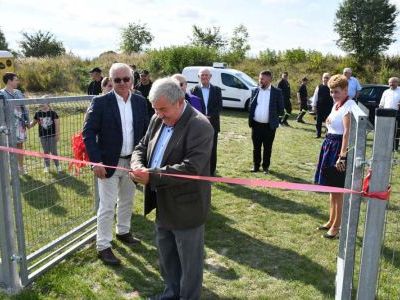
(53, 208)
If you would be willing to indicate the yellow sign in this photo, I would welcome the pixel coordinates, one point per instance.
(6, 64)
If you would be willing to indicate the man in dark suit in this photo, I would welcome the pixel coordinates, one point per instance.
(94, 87)
(178, 141)
(265, 108)
(285, 88)
(115, 123)
(212, 105)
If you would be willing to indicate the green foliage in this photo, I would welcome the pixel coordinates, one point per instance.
(40, 44)
(268, 57)
(293, 56)
(3, 42)
(365, 28)
(65, 74)
(210, 37)
(239, 43)
(135, 37)
(173, 59)
(315, 60)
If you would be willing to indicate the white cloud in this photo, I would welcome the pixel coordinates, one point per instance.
(296, 22)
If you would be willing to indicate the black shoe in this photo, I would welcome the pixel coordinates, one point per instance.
(266, 171)
(108, 257)
(128, 239)
(318, 137)
(300, 121)
(331, 236)
(322, 227)
(254, 170)
(286, 123)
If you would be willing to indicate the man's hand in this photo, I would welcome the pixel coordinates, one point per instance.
(140, 175)
(100, 172)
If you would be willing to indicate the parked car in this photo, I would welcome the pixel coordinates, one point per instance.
(370, 96)
(236, 86)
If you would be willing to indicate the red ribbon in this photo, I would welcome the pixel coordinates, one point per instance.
(240, 181)
(375, 195)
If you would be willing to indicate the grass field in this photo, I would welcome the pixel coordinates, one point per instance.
(260, 243)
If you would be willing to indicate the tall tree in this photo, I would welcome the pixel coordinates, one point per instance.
(3, 42)
(41, 44)
(365, 27)
(135, 37)
(209, 37)
(239, 41)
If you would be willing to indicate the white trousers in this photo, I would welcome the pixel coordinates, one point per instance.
(117, 190)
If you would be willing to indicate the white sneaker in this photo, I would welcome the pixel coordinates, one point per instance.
(46, 170)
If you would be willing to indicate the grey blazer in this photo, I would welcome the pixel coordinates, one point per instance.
(179, 203)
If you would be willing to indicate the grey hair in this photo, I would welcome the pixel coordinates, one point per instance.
(203, 70)
(120, 66)
(345, 70)
(179, 77)
(394, 78)
(168, 88)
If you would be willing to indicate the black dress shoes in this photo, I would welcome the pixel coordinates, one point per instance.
(254, 170)
(108, 257)
(266, 171)
(128, 239)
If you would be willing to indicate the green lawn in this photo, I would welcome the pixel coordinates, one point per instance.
(260, 243)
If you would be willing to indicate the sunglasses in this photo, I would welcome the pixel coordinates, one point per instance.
(125, 79)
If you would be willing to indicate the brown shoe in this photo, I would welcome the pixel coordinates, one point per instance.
(108, 257)
(128, 239)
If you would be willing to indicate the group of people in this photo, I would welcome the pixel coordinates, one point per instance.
(179, 136)
(46, 118)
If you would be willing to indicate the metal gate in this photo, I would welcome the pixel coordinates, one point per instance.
(48, 212)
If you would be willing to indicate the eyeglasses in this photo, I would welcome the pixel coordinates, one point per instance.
(125, 79)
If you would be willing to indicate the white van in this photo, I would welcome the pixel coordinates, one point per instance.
(236, 86)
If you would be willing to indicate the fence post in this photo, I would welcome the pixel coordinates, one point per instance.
(9, 269)
(351, 210)
(376, 209)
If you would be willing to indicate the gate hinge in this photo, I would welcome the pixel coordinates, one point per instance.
(4, 129)
(16, 258)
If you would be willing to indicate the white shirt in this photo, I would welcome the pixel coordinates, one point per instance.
(206, 94)
(354, 87)
(261, 114)
(334, 122)
(390, 99)
(126, 114)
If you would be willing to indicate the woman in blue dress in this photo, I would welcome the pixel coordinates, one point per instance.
(333, 152)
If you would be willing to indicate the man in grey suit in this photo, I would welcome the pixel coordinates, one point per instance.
(265, 108)
(212, 106)
(178, 141)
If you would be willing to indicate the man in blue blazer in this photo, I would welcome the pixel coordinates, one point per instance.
(115, 123)
(265, 108)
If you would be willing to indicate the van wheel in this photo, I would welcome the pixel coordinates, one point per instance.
(246, 105)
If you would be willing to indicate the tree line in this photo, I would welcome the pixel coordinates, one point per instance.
(365, 28)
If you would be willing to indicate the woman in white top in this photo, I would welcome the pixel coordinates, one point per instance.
(332, 160)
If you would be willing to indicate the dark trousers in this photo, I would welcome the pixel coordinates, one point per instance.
(213, 159)
(262, 135)
(397, 134)
(321, 117)
(181, 254)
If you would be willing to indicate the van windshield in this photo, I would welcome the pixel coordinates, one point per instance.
(246, 78)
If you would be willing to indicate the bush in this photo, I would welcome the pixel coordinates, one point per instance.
(173, 59)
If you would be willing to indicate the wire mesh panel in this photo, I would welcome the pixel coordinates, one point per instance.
(57, 201)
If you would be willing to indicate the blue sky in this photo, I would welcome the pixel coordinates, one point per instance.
(90, 27)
